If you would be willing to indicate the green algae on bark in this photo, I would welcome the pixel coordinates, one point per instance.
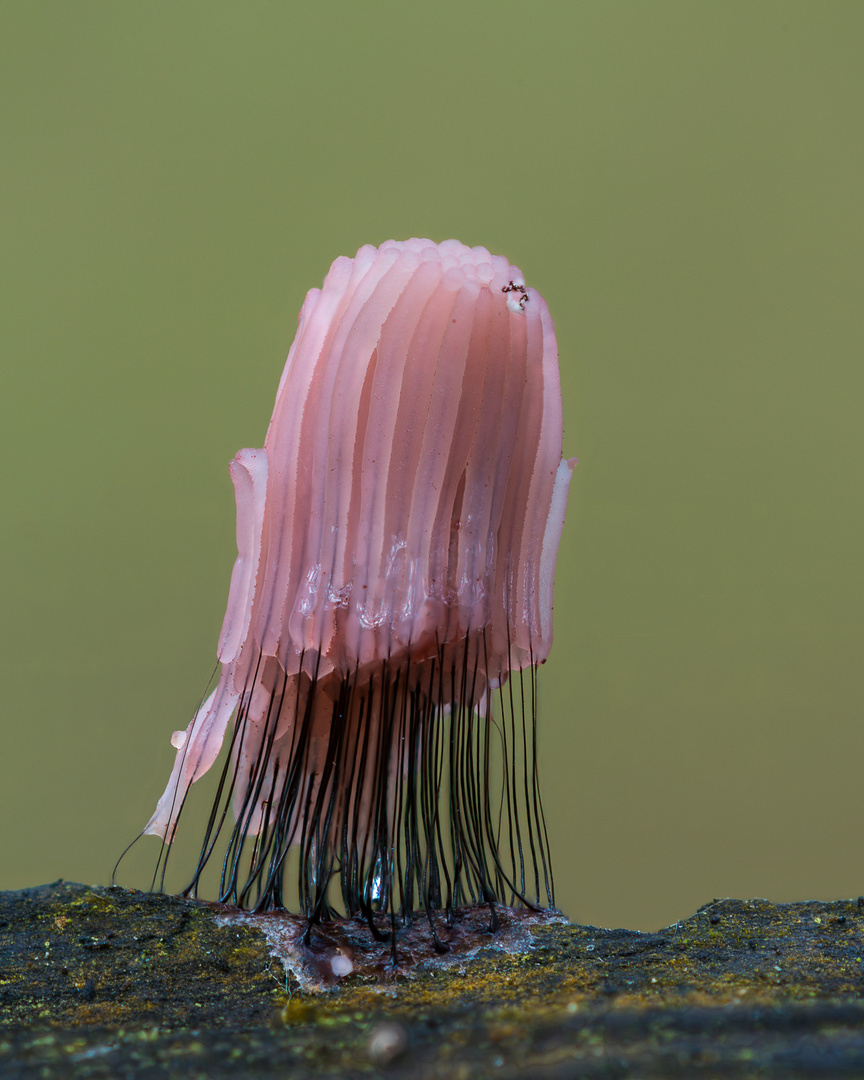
(102, 980)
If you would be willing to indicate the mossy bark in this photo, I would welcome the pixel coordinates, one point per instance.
(104, 982)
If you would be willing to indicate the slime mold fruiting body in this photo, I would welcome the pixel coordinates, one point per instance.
(391, 599)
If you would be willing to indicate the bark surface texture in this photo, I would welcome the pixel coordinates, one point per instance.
(105, 982)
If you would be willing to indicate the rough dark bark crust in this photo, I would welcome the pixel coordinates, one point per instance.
(103, 982)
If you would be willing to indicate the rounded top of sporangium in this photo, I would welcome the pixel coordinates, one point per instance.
(411, 489)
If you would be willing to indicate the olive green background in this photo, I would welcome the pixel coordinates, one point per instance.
(682, 181)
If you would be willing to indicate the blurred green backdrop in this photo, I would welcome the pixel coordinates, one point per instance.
(682, 181)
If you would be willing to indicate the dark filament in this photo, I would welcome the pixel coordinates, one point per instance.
(414, 808)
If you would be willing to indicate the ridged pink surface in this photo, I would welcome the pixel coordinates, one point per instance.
(410, 493)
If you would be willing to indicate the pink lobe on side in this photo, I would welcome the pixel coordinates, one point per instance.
(194, 757)
(249, 473)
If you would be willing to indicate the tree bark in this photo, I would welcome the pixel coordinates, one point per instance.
(105, 982)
